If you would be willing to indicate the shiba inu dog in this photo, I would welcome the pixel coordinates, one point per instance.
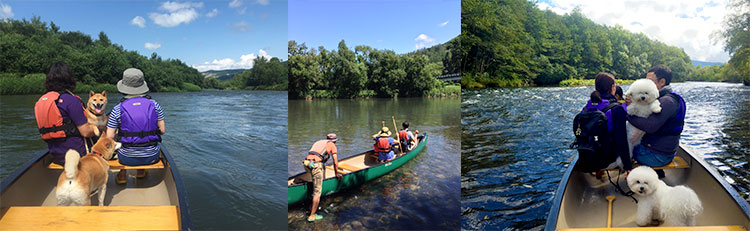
(85, 176)
(95, 110)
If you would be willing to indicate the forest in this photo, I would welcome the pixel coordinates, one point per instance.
(512, 43)
(30, 46)
(366, 72)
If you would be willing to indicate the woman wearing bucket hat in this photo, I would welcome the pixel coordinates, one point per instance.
(139, 122)
(383, 144)
(60, 104)
(314, 164)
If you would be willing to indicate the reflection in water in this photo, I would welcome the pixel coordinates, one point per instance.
(515, 146)
(422, 194)
(228, 146)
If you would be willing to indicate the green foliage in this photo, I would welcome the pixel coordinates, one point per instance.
(265, 75)
(32, 46)
(11, 84)
(190, 87)
(510, 43)
(574, 82)
(445, 91)
(82, 88)
(363, 72)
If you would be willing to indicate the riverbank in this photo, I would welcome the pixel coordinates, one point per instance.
(13, 84)
(590, 82)
(448, 91)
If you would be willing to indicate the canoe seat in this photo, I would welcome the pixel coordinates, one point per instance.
(677, 162)
(348, 167)
(91, 218)
(114, 164)
(691, 228)
(340, 169)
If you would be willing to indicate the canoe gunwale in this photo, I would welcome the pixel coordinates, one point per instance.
(557, 201)
(184, 209)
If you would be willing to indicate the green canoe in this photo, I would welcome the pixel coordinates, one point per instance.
(356, 170)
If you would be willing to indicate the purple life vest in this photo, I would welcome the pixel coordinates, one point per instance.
(138, 123)
(673, 126)
(600, 106)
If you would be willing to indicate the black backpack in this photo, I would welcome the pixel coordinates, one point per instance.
(593, 140)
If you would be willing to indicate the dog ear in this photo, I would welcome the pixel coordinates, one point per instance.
(104, 93)
(91, 93)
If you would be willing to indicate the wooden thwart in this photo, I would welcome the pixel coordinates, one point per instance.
(345, 167)
(693, 228)
(91, 218)
(677, 162)
(114, 164)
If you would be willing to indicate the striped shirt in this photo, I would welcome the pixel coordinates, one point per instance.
(148, 151)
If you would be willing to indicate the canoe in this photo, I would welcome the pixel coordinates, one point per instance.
(157, 202)
(356, 170)
(580, 204)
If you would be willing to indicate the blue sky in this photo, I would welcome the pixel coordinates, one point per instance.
(204, 34)
(686, 24)
(401, 26)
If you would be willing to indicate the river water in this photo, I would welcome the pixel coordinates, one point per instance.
(515, 146)
(421, 194)
(228, 146)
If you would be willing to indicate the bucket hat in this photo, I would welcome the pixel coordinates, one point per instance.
(132, 82)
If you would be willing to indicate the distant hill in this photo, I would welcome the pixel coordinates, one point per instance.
(705, 64)
(434, 53)
(223, 75)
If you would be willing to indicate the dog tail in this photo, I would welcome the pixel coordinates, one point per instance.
(71, 163)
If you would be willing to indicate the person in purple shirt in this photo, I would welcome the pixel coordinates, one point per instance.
(659, 145)
(60, 78)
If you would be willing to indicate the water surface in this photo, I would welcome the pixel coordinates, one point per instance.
(421, 194)
(515, 146)
(228, 146)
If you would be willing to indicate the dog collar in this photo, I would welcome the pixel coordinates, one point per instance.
(98, 154)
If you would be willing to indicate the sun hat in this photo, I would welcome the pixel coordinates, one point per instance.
(332, 137)
(383, 132)
(132, 82)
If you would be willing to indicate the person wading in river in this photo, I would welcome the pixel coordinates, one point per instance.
(314, 163)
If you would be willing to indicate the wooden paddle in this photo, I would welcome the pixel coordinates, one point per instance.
(609, 210)
(400, 145)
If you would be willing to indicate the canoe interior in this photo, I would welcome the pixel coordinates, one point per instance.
(583, 203)
(36, 187)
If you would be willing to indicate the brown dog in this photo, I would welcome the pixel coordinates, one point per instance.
(95, 110)
(85, 176)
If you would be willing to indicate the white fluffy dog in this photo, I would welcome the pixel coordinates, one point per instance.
(659, 202)
(643, 95)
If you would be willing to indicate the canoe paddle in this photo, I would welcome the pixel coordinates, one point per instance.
(609, 211)
(400, 145)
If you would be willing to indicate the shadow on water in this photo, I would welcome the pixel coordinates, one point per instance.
(421, 194)
(515, 146)
(227, 145)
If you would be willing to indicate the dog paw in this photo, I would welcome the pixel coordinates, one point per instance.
(96, 130)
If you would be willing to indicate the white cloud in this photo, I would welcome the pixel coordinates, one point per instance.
(138, 21)
(245, 62)
(213, 13)
(262, 2)
(423, 41)
(152, 46)
(685, 24)
(176, 13)
(241, 27)
(5, 11)
(235, 3)
(443, 24)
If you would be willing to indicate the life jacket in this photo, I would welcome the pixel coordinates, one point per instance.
(673, 126)
(138, 122)
(319, 149)
(382, 145)
(403, 136)
(52, 125)
(593, 128)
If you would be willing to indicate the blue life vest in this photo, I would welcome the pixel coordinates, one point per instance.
(673, 126)
(138, 123)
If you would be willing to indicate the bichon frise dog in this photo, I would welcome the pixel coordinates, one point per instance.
(659, 202)
(643, 95)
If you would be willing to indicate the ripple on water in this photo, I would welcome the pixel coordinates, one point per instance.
(514, 146)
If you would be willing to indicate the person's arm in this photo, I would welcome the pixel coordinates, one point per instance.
(160, 118)
(113, 122)
(332, 149)
(619, 116)
(656, 120)
(162, 129)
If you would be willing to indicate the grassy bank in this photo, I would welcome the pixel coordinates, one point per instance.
(590, 82)
(16, 84)
(484, 80)
(442, 91)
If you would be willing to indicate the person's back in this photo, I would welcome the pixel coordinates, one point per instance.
(136, 120)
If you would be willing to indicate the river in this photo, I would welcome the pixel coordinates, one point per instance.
(515, 146)
(228, 146)
(421, 194)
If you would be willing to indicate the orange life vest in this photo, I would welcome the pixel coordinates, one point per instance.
(382, 145)
(52, 126)
(402, 135)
